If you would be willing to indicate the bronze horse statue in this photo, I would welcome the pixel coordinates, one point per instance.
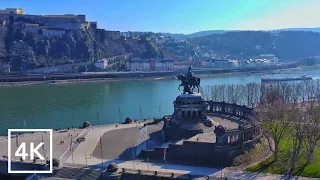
(189, 83)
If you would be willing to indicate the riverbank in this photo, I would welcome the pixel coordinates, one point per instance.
(70, 81)
(200, 74)
(276, 71)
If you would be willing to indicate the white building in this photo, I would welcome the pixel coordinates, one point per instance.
(159, 65)
(31, 28)
(101, 63)
(220, 63)
(168, 64)
(149, 65)
(53, 32)
(145, 66)
(206, 55)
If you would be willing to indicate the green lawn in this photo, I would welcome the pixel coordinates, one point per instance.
(280, 167)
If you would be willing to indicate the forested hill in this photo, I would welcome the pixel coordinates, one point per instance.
(284, 44)
(18, 47)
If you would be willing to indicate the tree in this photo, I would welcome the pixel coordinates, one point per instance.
(297, 132)
(312, 121)
(275, 120)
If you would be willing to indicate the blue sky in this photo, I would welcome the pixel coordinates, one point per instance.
(182, 16)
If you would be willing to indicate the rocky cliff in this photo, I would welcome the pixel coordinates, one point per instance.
(30, 50)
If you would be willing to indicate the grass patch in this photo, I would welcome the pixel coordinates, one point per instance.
(280, 167)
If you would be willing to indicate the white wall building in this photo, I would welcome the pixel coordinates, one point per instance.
(159, 65)
(53, 32)
(101, 63)
(149, 65)
(31, 28)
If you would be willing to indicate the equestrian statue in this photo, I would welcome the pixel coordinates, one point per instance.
(189, 82)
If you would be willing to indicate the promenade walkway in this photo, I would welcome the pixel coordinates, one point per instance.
(83, 159)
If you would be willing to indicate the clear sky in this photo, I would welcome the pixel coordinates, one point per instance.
(182, 16)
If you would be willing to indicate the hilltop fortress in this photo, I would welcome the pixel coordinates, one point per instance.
(50, 25)
(39, 41)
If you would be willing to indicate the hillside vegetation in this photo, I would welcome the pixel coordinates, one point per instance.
(22, 49)
(286, 45)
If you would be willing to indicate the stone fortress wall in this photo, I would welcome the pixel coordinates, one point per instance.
(229, 144)
(53, 21)
(33, 23)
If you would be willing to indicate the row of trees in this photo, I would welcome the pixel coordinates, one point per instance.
(253, 94)
(289, 113)
(297, 125)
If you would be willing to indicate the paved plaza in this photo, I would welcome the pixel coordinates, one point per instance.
(58, 147)
(85, 154)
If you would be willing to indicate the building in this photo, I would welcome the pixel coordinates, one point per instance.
(206, 55)
(65, 21)
(138, 65)
(159, 65)
(5, 68)
(2, 22)
(114, 35)
(101, 63)
(93, 25)
(168, 64)
(221, 64)
(150, 65)
(12, 11)
(53, 32)
(31, 28)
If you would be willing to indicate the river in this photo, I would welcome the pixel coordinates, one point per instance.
(67, 105)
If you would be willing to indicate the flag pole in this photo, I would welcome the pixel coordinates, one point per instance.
(97, 115)
(145, 140)
(164, 158)
(44, 151)
(140, 113)
(120, 114)
(101, 152)
(71, 150)
(85, 155)
(133, 160)
(17, 141)
(166, 165)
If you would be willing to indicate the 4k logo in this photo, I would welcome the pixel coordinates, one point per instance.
(33, 151)
(21, 151)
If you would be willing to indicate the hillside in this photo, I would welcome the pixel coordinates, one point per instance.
(315, 29)
(284, 44)
(194, 35)
(181, 36)
(25, 50)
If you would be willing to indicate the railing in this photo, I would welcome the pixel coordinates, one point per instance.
(163, 173)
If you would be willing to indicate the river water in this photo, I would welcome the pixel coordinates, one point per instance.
(66, 105)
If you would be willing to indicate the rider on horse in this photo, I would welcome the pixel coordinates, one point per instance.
(189, 82)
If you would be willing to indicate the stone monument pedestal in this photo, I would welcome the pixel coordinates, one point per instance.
(189, 117)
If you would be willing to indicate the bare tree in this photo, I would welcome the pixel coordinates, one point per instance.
(275, 121)
(296, 133)
(312, 120)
